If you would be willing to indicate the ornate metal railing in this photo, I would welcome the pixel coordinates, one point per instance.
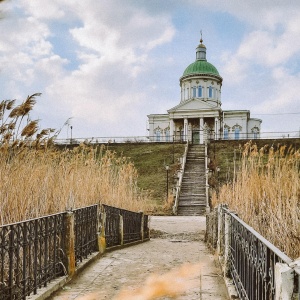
(34, 252)
(86, 222)
(31, 255)
(112, 226)
(146, 227)
(252, 261)
(132, 226)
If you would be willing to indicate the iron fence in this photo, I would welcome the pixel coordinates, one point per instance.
(86, 222)
(252, 261)
(132, 226)
(34, 252)
(146, 227)
(112, 226)
(212, 135)
(31, 255)
(132, 223)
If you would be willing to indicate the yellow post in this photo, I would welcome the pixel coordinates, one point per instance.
(70, 244)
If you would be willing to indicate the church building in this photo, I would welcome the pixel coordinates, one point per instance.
(199, 116)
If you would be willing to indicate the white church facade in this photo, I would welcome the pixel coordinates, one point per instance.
(199, 116)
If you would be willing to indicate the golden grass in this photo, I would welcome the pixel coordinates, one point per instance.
(266, 195)
(36, 179)
(36, 183)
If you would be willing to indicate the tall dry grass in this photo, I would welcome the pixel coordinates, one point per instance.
(266, 194)
(37, 179)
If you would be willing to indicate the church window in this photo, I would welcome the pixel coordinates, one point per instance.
(167, 131)
(200, 91)
(225, 133)
(255, 132)
(157, 135)
(210, 92)
(194, 92)
(187, 93)
(236, 133)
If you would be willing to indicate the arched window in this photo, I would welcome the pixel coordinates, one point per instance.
(236, 133)
(210, 92)
(194, 92)
(157, 133)
(167, 133)
(226, 133)
(255, 132)
(200, 91)
(187, 93)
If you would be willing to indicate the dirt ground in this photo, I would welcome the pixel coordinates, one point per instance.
(174, 263)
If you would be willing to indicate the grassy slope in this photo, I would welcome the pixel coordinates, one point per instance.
(150, 160)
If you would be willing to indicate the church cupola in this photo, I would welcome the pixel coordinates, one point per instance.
(201, 51)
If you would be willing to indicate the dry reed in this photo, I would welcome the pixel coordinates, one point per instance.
(36, 179)
(266, 195)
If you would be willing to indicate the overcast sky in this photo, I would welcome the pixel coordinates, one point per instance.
(108, 64)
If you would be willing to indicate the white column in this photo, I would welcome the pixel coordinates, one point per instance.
(201, 133)
(216, 128)
(185, 129)
(172, 137)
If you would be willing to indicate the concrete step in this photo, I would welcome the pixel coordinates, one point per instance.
(192, 199)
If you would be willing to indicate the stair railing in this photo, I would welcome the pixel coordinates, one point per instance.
(207, 208)
(179, 178)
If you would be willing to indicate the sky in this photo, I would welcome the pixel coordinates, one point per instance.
(106, 65)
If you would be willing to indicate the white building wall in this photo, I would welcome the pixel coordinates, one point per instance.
(159, 128)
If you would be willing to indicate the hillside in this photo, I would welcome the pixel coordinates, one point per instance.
(150, 160)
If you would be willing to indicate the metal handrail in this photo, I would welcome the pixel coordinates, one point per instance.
(251, 253)
(274, 249)
(179, 182)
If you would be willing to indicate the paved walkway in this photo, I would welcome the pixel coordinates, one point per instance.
(175, 261)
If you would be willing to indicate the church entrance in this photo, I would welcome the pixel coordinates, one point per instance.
(196, 137)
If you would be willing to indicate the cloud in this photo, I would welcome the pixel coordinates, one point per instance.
(112, 42)
(285, 96)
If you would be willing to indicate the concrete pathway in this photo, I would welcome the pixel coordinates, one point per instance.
(175, 261)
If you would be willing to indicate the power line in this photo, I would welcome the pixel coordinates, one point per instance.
(277, 114)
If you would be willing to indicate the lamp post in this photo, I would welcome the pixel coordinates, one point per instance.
(167, 169)
(218, 171)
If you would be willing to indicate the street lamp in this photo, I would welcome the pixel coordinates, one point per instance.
(71, 134)
(167, 169)
(218, 171)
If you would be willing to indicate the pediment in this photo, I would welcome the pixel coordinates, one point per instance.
(194, 105)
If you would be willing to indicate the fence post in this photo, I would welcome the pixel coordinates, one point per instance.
(142, 227)
(121, 230)
(70, 243)
(101, 232)
(215, 227)
(227, 245)
(284, 281)
(220, 230)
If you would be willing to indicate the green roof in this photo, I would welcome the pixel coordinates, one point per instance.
(202, 67)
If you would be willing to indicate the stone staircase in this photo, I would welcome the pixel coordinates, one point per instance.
(192, 199)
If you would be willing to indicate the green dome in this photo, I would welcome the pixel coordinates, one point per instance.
(201, 67)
